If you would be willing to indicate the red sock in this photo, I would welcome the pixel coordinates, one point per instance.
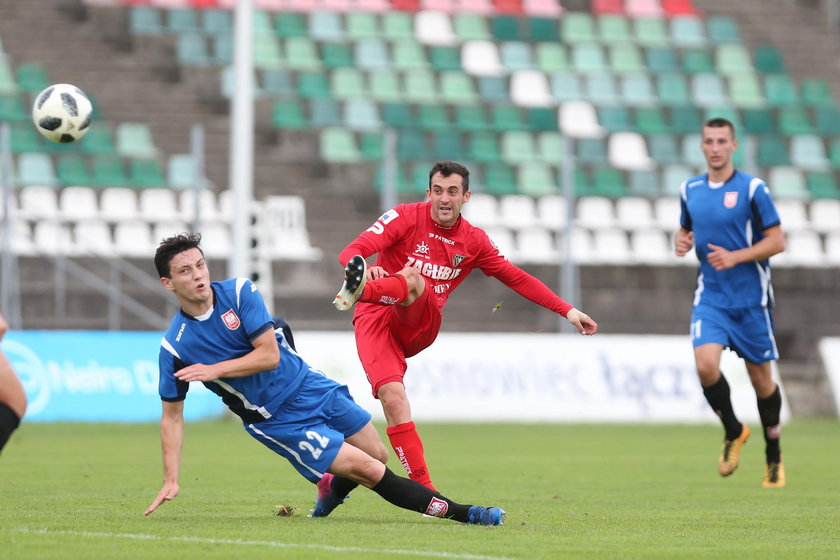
(409, 449)
(387, 291)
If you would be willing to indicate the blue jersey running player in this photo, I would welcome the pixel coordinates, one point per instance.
(224, 337)
(730, 220)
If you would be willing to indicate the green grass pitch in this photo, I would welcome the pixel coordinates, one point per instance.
(571, 491)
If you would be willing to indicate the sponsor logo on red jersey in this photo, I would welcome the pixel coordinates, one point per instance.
(457, 260)
(730, 199)
(437, 508)
(231, 320)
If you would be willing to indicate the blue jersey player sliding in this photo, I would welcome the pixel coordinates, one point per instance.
(224, 337)
(731, 221)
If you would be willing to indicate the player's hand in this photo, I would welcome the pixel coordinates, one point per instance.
(683, 242)
(720, 258)
(582, 322)
(375, 273)
(199, 372)
(168, 492)
(4, 326)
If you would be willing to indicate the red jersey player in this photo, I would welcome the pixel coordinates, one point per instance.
(425, 250)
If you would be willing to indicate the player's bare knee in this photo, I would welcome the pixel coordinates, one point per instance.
(414, 281)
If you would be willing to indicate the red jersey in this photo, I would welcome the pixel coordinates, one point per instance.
(408, 236)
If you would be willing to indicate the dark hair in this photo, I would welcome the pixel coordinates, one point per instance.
(720, 122)
(172, 246)
(447, 168)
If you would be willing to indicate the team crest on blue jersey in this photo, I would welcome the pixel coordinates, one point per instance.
(730, 199)
(231, 320)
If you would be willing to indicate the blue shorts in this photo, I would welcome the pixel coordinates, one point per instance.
(311, 427)
(748, 331)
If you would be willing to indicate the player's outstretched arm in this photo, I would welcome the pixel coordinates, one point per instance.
(582, 322)
(171, 441)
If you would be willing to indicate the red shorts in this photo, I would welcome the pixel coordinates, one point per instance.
(388, 334)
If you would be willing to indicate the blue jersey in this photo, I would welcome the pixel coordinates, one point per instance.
(225, 332)
(732, 215)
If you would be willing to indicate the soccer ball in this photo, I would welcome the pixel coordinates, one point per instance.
(62, 113)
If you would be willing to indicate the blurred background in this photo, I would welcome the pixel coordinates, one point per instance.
(578, 120)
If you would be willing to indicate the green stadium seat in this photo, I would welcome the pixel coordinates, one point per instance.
(408, 55)
(420, 87)
(644, 183)
(499, 179)
(372, 146)
(822, 184)
(663, 149)
(182, 20)
(541, 118)
(36, 168)
(146, 173)
(290, 24)
(588, 57)
(471, 118)
(191, 50)
(145, 21)
(12, 109)
(769, 60)
(325, 25)
(483, 147)
(691, 153)
(397, 25)
(685, 119)
(697, 61)
(625, 59)
(601, 89)
(24, 138)
(780, 90)
(385, 86)
(592, 151)
(216, 21)
(261, 24)
(661, 59)
(300, 54)
(338, 145)
(687, 31)
(412, 145)
(433, 117)
(827, 121)
(834, 152)
(536, 179)
(541, 29)
(361, 114)
(277, 83)
(266, 53)
(807, 151)
(637, 90)
(362, 25)
(650, 120)
(134, 140)
(733, 58)
(615, 118)
(707, 90)
(371, 54)
(397, 115)
(180, 171)
(722, 29)
(772, 150)
(72, 169)
(337, 55)
(794, 120)
(221, 49)
(614, 28)
(578, 27)
(817, 93)
(551, 147)
(493, 89)
(505, 28)
(324, 112)
(609, 182)
(289, 114)
(99, 141)
(444, 58)
(651, 31)
(313, 85)
(447, 145)
(673, 176)
(518, 147)
(745, 91)
(507, 117)
(515, 55)
(108, 171)
(672, 89)
(551, 57)
(32, 78)
(759, 121)
(8, 84)
(566, 86)
(787, 182)
(399, 179)
(346, 83)
(456, 87)
(419, 178)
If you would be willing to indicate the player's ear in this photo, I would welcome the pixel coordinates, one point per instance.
(467, 195)
(166, 283)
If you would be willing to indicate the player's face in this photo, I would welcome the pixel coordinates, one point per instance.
(718, 145)
(189, 278)
(447, 196)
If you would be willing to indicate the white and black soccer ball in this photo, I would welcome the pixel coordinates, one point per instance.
(62, 113)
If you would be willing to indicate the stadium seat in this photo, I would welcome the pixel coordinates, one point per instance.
(362, 25)
(300, 53)
(822, 184)
(552, 212)
(611, 246)
(745, 91)
(633, 213)
(578, 27)
(541, 30)
(614, 118)
(650, 247)
(663, 149)
(825, 215)
(793, 213)
(601, 89)
(769, 60)
(157, 205)
(588, 57)
(51, 238)
(371, 54)
(145, 20)
(385, 86)
(832, 249)
(733, 58)
(817, 93)
(536, 179)
(517, 211)
(794, 120)
(626, 59)
(666, 212)
(118, 204)
(529, 88)
(637, 91)
(697, 61)
(146, 173)
(780, 90)
(787, 182)
(361, 114)
(434, 28)
(289, 114)
(685, 119)
(627, 150)
(707, 90)
(592, 151)
(518, 147)
(803, 248)
(38, 202)
(595, 212)
(481, 58)
(445, 58)
(661, 59)
(643, 183)
(650, 120)
(35, 168)
(31, 78)
(498, 179)
(457, 88)
(420, 87)
(324, 112)
(536, 245)
(347, 83)
(398, 115)
(516, 55)
(135, 140)
(313, 85)
(808, 152)
(649, 29)
(483, 147)
(433, 117)
(722, 29)
(579, 120)
(325, 25)
(672, 89)
(687, 31)
(93, 238)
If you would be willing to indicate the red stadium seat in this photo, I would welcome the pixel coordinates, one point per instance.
(679, 7)
(204, 3)
(406, 5)
(512, 7)
(607, 6)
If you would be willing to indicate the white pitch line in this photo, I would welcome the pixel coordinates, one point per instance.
(273, 544)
